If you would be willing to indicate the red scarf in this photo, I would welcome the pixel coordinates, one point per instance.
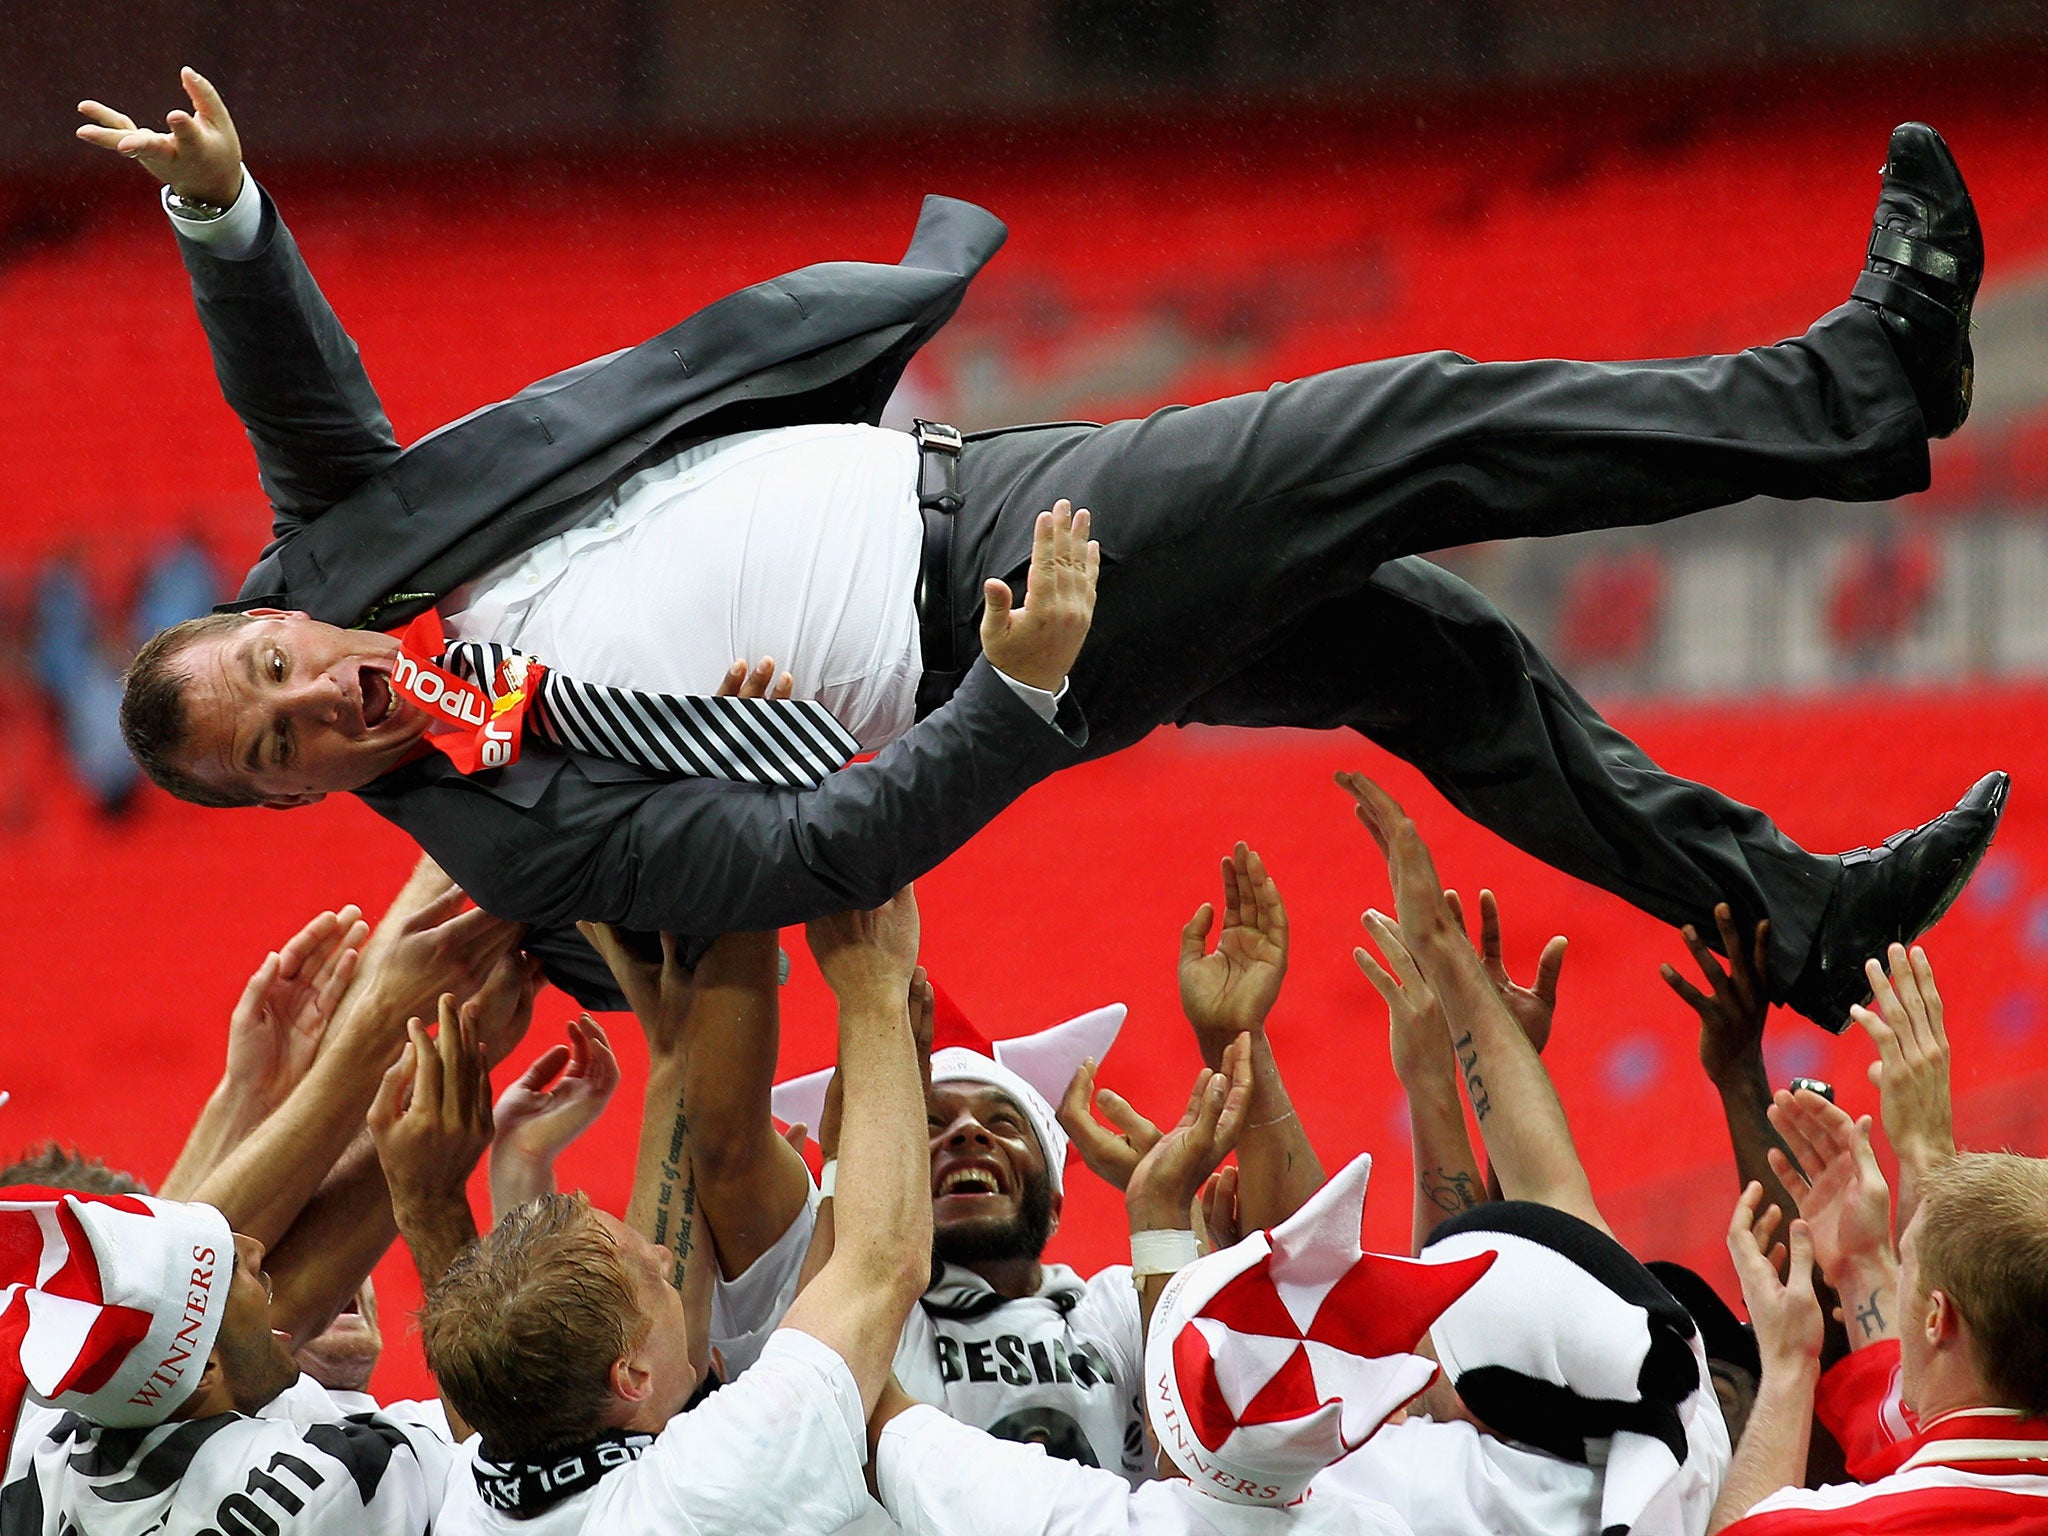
(479, 730)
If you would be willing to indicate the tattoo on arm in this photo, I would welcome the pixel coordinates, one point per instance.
(675, 1202)
(1450, 1189)
(1870, 1317)
(1475, 1085)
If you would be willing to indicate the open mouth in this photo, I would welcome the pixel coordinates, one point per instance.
(969, 1181)
(376, 695)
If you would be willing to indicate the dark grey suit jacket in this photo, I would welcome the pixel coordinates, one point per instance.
(370, 534)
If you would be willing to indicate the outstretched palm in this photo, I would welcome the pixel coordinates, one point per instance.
(278, 1026)
(1229, 990)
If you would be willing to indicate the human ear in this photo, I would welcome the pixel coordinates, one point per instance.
(1943, 1322)
(274, 613)
(630, 1381)
(1059, 1202)
(293, 802)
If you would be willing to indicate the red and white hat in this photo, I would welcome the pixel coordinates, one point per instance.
(1271, 1359)
(1031, 1070)
(109, 1304)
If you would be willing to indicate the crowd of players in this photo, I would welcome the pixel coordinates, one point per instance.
(748, 1348)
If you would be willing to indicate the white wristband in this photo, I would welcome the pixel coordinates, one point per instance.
(1161, 1251)
(828, 1177)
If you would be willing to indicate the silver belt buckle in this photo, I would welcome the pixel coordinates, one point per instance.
(936, 434)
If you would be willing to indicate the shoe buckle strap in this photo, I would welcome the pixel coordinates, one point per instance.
(1890, 245)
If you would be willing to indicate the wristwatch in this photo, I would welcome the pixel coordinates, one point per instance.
(192, 208)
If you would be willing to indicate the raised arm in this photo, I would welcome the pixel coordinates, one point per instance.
(286, 367)
(274, 1034)
(431, 1121)
(1787, 1317)
(1528, 1141)
(556, 1099)
(1161, 1195)
(1228, 992)
(881, 1253)
(1732, 1012)
(345, 1228)
(1447, 1176)
(751, 1183)
(424, 946)
(1846, 1204)
(1911, 1070)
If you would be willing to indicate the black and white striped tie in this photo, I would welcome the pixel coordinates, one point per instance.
(789, 743)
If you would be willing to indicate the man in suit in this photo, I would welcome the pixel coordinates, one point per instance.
(1256, 558)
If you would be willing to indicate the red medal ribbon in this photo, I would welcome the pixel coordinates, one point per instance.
(484, 728)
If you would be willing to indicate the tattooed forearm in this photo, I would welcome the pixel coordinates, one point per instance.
(1450, 1189)
(675, 1198)
(1870, 1317)
(1475, 1085)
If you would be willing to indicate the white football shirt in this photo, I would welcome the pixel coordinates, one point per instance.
(938, 1477)
(1062, 1369)
(779, 1450)
(301, 1465)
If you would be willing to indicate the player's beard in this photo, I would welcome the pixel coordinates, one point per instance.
(1022, 1236)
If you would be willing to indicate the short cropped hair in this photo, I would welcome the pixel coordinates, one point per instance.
(522, 1331)
(59, 1167)
(154, 720)
(1983, 1241)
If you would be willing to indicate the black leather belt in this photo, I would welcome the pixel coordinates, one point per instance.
(938, 499)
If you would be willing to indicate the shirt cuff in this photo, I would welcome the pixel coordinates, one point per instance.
(1043, 704)
(232, 236)
(898, 1451)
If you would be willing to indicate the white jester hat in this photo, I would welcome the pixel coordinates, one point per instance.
(1032, 1070)
(1268, 1360)
(109, 1304)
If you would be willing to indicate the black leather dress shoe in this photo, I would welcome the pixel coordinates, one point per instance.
(1926, 259)
(1892, 894)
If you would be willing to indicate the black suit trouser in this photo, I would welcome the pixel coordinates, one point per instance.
(1255, 572)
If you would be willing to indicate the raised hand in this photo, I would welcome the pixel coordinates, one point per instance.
(859, 951)
(658, 994)
(1229, 990)
(545, 1108)
(1217, 1223)
(1037, 643)
(1111, 1155)
(1163, 1186)
(282, 1018)
(1535, 1006)
(1419, 904)
(1912, 1068)
(1418, 1036)
(199, 156)
(1845, 1202)
(501, 1009)
(1786, 1313)
(1733, 1010)
(431, 1119)
(430, 942)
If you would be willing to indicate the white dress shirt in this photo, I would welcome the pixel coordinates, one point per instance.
(801, 543)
